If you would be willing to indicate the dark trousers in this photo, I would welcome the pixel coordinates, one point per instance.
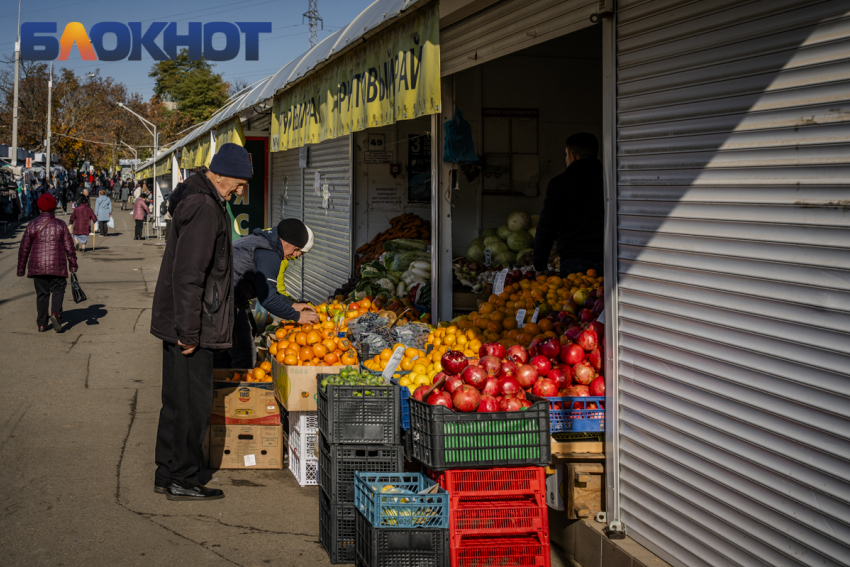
(187, 396)
(104, 227)
(139, 225)
(243, 353)
(45, 286)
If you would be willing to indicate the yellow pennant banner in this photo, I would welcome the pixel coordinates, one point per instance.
(392, 76)
(229, 132)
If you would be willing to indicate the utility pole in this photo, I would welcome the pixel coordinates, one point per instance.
(49, 112)
(17, 76)
(313, 17)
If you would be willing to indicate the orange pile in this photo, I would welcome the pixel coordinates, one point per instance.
(261, 373)
(312, 345)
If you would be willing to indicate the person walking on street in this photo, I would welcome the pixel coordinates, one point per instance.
(140, 212)
(137, 192)
(63, 196)
(83, 197)
(103, 210)
(81, 220)
(193, 316)
(125, 195)
(46, 254)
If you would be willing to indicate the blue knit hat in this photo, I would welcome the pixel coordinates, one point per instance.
(232, 160)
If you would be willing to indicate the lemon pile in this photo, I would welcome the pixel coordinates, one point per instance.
(416, 367)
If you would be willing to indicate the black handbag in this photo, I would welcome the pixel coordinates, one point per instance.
(79, 295)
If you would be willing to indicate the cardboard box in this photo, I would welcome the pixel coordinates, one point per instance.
(245, 447)
(295, 386)
(243, 403)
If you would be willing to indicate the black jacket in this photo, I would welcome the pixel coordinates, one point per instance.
(573, 215)
(193, 301)
(256, 265)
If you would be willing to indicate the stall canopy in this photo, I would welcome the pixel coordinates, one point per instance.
(393, 76)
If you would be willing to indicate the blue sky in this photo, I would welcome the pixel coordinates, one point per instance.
(289, 37)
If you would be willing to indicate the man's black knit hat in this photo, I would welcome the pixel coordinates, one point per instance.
(293, 231)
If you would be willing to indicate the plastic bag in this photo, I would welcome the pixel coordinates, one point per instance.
(459, 146)
(413, 335)
(111, 223)
(405, 245)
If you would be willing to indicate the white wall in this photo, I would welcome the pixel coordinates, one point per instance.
(565, 87)
(368, 224)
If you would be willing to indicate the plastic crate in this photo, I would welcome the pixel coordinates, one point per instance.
(499, 517)
(407, 444)
(337, 464)
(303, 465)
(337, 529)
(304, 421)
(492, 483)
(359, 414)
(444, 439)
(564, 418)
(404, 405)
(403, 508)
(528, 550)
(377, 547)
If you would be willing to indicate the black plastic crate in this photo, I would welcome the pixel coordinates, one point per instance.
(337, 464)
(359, 414)
(445, 439)
(381, 547)
(407, 443)
(337, 529)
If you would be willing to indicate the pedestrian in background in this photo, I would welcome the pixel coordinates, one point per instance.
(193, 316)
(140, 212)
(63, 196)
(81, 220)
(103, 210)
(125, 195)
(46, 253)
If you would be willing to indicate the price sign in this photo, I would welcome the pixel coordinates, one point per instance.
(392, 363)
(535, 314)
(499, 282)
(520, 318)
(487, 257)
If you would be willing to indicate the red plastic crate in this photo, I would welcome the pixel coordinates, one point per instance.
(491, 551)
(499, 517)
(497, 483)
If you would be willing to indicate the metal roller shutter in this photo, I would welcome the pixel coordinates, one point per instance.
(286, 201)
(329, 263)
(508, 27)
(733, 235)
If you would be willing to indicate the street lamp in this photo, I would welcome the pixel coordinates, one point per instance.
(17, 76)
(155, 188)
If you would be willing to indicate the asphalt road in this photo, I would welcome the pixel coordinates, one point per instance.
(78, 416)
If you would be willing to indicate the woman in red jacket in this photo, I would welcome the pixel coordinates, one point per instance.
(47, 250)
(81, 220)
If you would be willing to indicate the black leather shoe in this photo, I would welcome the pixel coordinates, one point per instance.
(54, 320)
(200, 493)
(160, 489)
(42, 329)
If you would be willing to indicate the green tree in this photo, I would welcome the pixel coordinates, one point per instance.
(192, 85)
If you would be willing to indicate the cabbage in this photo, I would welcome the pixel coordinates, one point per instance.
(519, 220)
(400, 261)
(497, 247)
(506, 258)
(491, 240)
(519, 239)
(477, 242)
(504, 231)
(475, 253)
(532, 231)
(489, 232)
(525, 257)
(534, 220)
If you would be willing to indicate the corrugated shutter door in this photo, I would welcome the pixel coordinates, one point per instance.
(733, 123)
(328, 265)
(286, 201)
(508, 27)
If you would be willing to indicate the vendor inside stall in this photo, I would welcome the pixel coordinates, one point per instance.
(257, 261)
(578, 190)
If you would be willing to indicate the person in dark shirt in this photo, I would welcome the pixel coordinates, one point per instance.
(573, 212)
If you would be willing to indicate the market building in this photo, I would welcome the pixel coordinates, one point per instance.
(723, 136)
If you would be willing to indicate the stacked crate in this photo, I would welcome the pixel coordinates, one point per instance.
(303, 462)
(497, 516)
(358, 431)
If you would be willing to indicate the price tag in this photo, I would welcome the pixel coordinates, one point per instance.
(487, 257)
(392, 363)
(499, 282)
(520, 318)
(535, 314)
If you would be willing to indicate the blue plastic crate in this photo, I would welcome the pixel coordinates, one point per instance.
(403, 507)
(405, 405)
(563, 418)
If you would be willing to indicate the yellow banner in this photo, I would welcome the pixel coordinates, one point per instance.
(229, 132)
(393, 76)
(163, 166)
(197, 153)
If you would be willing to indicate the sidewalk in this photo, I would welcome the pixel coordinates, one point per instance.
(77, 431)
